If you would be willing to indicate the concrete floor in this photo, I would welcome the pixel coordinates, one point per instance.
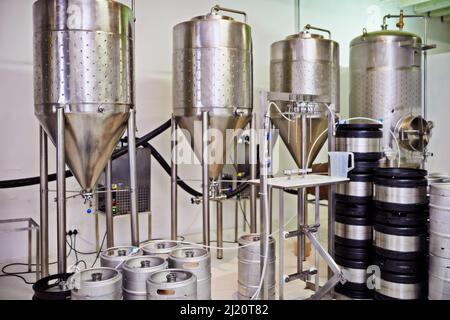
(224, 272)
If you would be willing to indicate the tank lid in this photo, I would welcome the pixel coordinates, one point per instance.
(387, 34)
(210, 16)
(304, 35)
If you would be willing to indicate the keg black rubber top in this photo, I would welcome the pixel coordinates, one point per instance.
(400, 183)
(357, 221)
(360, 177)
(353, 209)
(399, 173)
(353, 243)
(367, 156)
(396, 255)
(412, 207)
(403, 278)
(418, 266)
(364, 167)
(354, 294)
(48, 288)
(359, 130)
(401, 231)
(351, 253)
(352, 264)
(354, 200)
(401, 218)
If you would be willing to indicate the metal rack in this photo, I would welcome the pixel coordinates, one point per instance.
(31, 226)
(299, 182)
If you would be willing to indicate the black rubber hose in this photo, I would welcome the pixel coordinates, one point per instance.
(241, 188)
(16, 183)
(143, 140)
(158, 157)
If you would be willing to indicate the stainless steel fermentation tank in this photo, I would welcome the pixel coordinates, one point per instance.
(386, 84)
(212, 93)
(306, 64)
(83, 95)
(303, 102)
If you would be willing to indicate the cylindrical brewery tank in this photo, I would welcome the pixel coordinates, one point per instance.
(249, 267)
(198, 261)
(115, 257)
(386, 84)
(172, 284)
(136, 271)
(83, 62)
(96, 284)
(212, 72)
(160, 248)
(307, 64)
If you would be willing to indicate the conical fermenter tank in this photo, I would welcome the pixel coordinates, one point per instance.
(212, 71)
(305, 64)
(83, 62)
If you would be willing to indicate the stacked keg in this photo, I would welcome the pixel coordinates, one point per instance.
(197, 261)
(249, 267)
(354, 207)
(400, 232)
(439, 267)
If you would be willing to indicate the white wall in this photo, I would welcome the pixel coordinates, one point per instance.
(439, 112)
(271, 20)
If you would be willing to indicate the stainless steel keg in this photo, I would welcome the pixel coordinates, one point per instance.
(400, 287)
(136, 271)
(353, 231)
(400, 189)
(439, 278)
(403, 243)
(160, 248)
(96, 284)
(198, 261)
(364, 140)
(115, 257)
(172, 284)
(358, 190)
(249, 266)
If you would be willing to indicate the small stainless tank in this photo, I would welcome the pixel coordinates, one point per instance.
(115, 257)
(249, 266)
(307, 64)
(172, 284)
(135, 272)
(160, 248)
(96, 284)
(198, 261)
